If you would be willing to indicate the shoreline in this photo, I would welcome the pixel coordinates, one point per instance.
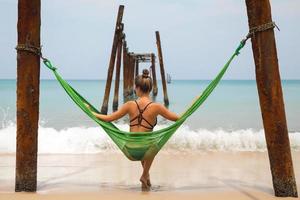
(198, 175)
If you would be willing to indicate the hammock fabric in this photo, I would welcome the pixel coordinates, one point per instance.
(141, 145)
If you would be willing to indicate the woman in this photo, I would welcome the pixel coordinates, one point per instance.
(143, 116)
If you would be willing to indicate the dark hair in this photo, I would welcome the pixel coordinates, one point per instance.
(144, 81)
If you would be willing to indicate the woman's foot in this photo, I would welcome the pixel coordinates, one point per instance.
(144, 182)
(148, 181)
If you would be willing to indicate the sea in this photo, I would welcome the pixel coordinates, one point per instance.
(229, 120)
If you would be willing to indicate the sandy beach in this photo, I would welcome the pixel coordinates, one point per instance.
(175, 175)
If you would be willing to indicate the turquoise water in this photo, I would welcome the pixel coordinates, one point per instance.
(233, 105)
(229, 120)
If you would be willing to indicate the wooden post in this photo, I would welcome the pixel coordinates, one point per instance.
(28, 83)
(136, 67)
(153, 74)
(131, 74)
(125, 72)
(117, 80)
(112, 60)
(162, 70)
(271, 99)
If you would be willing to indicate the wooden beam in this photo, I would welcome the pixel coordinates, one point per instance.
(117, 79)
(28, 85)
(136, 67)
(145, 57)
(125, 71)
(271, 99)
(131, 74)
(112, 60)
(162, 70)
(153, 74)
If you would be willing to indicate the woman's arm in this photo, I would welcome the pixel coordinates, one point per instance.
(123, 110)
(163, 111)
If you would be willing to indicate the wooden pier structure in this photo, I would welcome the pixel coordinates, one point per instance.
(131, 63)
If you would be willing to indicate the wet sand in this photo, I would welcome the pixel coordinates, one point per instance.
(174, 175)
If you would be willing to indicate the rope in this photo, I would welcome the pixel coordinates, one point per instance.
(31, 49)
(256, 29)
(261, 28)
(37, 51)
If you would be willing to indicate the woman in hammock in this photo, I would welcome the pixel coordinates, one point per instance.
(143, 116)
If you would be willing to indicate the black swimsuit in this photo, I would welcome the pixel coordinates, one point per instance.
(141, 118)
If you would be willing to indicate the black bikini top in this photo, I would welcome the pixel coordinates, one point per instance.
(141, 118)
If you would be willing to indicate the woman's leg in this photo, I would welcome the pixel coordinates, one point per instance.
(143, 162)
(148, 163)
(142, 179)
(145, 176)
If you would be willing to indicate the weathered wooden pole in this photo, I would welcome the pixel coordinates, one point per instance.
(125, 71)
(117, 79)
(162, 70)
(131, 74)
(271, 99)
(112, 60)
(153, 74)
(134, 61)
(136, 67)
(28, 83)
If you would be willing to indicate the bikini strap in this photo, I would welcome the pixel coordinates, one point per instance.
(142, 110)
(140, 117)
(146, 106)
(137, 105)
(139, 112)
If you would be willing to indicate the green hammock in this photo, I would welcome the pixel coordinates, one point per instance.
(141, 145)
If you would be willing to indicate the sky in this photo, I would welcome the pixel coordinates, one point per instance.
(197, 36)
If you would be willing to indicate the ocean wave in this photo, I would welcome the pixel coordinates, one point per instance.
(77, 140)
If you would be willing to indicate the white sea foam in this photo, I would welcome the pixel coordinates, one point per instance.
(76, 140)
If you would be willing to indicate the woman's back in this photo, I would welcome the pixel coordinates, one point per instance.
(143, 115)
